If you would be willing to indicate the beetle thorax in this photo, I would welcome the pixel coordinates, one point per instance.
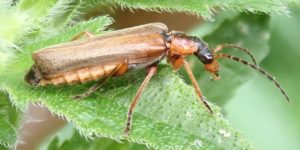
(181, 45)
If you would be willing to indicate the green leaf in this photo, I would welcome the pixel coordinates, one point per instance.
(208, 8)
(75, 141)
(36, 8)
(26, 20)
(21, 18)
(168, 115)
(35, 19)
(51, 20)
(8, 121)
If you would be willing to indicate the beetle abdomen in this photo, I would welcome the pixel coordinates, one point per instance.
(81, 75)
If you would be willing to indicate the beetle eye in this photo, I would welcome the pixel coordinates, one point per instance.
(207, 59)
(204, 55)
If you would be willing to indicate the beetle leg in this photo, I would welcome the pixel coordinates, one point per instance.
(85, 33)
(119, 69)
(151, 71)
(91, 90)
(195, 84)
(177, 61)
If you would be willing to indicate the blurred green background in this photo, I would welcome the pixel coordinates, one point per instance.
(258, 109)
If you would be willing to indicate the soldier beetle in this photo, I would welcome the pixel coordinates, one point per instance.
(114, 53)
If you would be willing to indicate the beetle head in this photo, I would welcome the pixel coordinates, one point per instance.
(32, 77)
(205, 55)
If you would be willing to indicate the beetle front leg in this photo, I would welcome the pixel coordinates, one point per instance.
(85, 33)
(195, 84)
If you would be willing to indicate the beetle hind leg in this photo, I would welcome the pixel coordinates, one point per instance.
(91, 90)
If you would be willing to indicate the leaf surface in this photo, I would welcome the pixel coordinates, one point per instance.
(168, 115)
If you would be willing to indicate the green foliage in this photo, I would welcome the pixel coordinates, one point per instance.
(49, 16)
(258, 108)
(8, 121)
(36, 8)
(27, 20)
(208, 8)
(180, 118)
(76, 142)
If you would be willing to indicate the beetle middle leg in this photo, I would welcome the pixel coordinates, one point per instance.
(120, 69)
(150, 72)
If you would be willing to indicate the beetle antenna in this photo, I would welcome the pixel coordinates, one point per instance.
(222, 46)
(269, 76)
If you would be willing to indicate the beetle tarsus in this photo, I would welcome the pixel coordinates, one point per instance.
(128, 124)
(80, 96)
(204, 101)
(91, 90)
